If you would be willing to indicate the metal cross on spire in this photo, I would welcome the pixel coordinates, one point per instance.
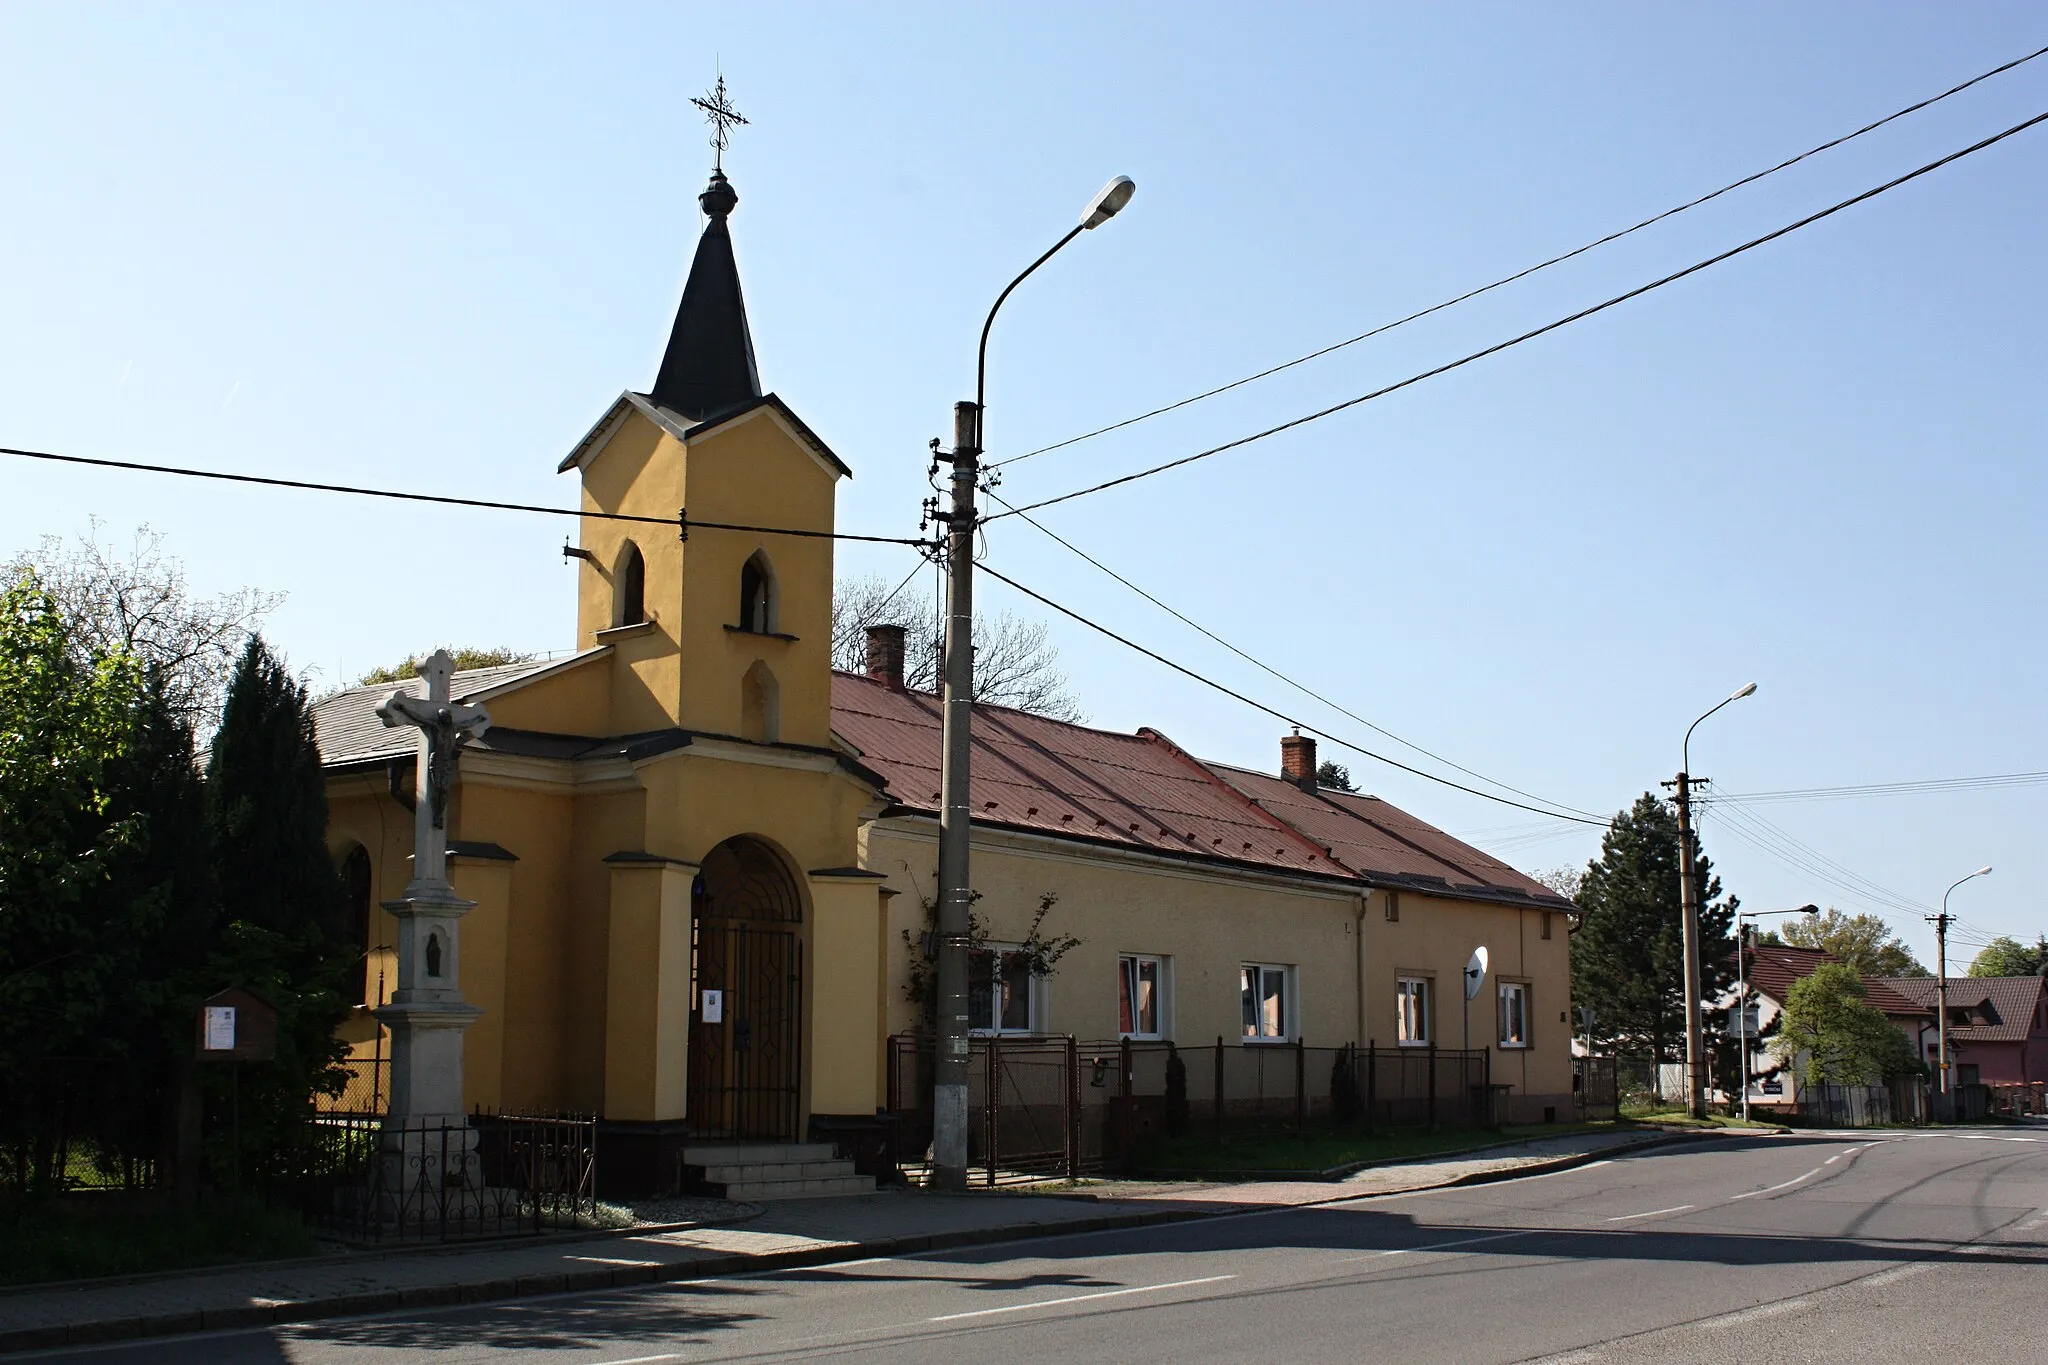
(723, 118)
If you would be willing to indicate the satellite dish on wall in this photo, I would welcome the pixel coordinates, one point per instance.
(1475, 972)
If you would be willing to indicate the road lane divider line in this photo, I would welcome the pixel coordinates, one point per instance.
(1630, 1217)
(642, 1360)
(1438, 1190)
(1444, 1246)
(1073, 1298)
(1786, 1186)
(1763, 1310)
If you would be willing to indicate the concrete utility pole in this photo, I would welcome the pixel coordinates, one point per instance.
(1689, 910)
(1941, 923)
(956, 894)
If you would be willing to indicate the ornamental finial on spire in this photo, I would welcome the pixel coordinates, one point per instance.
(723, 118)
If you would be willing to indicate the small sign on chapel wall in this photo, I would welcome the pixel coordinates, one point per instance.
(236, 1026)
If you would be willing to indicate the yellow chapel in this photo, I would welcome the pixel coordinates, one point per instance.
(700, 858)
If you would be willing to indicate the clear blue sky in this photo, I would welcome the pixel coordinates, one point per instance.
(425, 246)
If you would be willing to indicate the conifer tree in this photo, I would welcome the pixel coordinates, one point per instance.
(280, 898)
(1628, 956)
(267, 803)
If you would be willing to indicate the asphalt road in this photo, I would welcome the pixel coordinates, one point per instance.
(1841, 1247)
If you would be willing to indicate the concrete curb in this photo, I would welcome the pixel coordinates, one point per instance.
(371, 1253)
(724, 1264)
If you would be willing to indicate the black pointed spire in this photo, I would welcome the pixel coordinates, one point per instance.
(709, 364)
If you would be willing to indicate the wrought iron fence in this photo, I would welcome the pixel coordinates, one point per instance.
(1048, 1105)
(369, 1180)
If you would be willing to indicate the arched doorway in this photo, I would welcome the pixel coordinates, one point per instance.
(746, 995)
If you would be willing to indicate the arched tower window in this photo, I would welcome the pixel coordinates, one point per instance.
(355, 886)
(757, 594)
(760, 705)
(629, 588)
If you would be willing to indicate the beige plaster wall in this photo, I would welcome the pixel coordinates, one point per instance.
(1209, 924)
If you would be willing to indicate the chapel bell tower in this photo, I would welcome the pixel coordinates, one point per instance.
(716, 630)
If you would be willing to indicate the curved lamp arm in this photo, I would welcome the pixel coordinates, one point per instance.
(1980, 872)
(1685, 749)
(1106, 204)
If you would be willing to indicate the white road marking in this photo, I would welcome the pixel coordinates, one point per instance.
(1786, 1186)
(1450, 1189)
(1630, 1217)
(641, 1360)
(611, 1260)
(1895, 1274)
(1762, 1310)
(1072, 1298)
(1444, 1246)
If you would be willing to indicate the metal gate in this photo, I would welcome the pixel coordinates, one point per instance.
(746, 996)
(746, 1035)
(1596, 1091)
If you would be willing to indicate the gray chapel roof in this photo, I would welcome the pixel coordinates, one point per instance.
(347, 730)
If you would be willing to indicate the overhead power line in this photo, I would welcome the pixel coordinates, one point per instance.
(1525, 273)
(680, 522)
(1783, 847)
(1279, 715)
(1533, 333)
(1941, 784)
(1300, 687)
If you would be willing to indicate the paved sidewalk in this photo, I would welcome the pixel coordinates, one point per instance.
(797, 1232)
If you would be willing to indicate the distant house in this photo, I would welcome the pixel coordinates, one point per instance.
(1771, 971)
(1997, 1026)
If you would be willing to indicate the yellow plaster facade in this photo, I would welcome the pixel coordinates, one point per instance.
(663, 831)
(1344, 954)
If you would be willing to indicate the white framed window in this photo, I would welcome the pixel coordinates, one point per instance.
(1411, 1000)
(1266, 997)
(1140, 996)
(1002, 994)
(1514, 1014)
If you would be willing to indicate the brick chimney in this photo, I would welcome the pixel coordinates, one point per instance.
(885, 656)
(1298, 760)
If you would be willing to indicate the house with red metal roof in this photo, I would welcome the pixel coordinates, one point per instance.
(1210, 901)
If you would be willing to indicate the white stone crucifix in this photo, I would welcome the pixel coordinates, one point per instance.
(444, 728)
(426, 1013)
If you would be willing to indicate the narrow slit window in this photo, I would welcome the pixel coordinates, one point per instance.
(757, 595)
(630, 588)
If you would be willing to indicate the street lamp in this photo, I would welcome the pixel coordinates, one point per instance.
(1742, 986)
(1941, 923)
(1689, 910)
(949, 1078)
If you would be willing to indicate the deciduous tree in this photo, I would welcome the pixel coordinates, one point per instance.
(1865, 942)
(1015, 661)
(136, 603)
(1834, 1035)
(407, 669)
(2005, 956)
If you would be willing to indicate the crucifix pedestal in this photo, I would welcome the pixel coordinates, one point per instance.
(428, 1148)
